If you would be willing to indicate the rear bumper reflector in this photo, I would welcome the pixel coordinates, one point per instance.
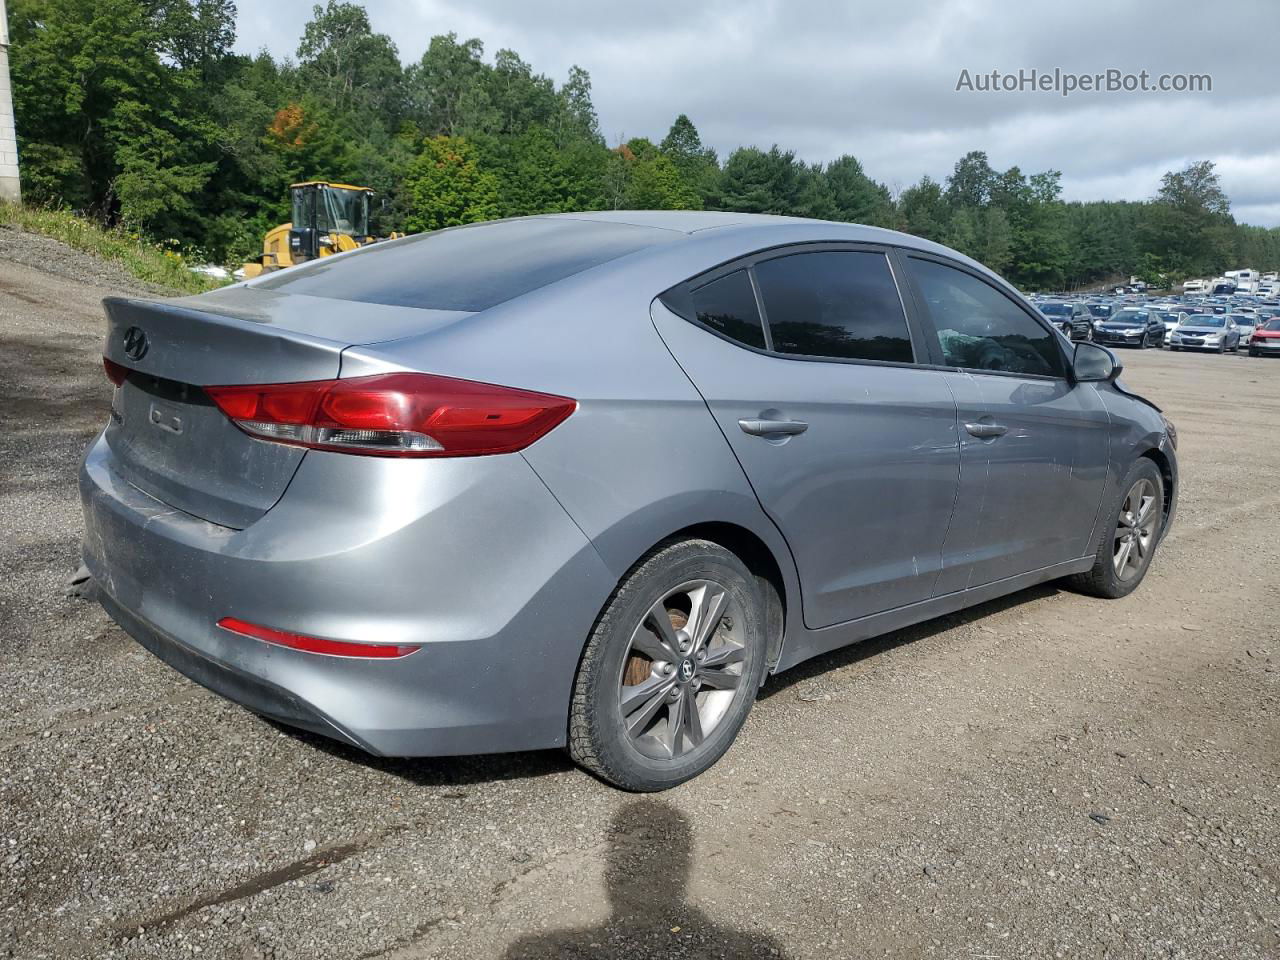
(329, 648)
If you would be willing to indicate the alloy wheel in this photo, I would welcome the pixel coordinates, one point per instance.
(684, 663)
(1135, 533)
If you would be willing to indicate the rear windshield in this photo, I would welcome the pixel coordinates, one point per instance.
(470, 268)
(1055, 309)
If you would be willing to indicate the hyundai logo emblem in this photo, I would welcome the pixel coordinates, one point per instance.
(686, 670)
(135, 343)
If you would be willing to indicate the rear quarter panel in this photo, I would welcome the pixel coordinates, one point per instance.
(641, 458)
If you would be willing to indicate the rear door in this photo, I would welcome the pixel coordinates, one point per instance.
(806, 358)
(1033, 445)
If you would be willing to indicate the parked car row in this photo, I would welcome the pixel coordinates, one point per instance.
(1191, 323)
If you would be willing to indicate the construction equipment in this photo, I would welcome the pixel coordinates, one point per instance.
(328, 218)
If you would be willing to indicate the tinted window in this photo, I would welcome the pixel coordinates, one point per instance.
(728, 306)
(982, 329)
(471, 268)
(836, 304)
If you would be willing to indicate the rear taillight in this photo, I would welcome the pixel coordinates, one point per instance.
(330, 648)
(115, 373)
(394, 415)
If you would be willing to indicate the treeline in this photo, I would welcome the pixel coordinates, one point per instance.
(137, 113)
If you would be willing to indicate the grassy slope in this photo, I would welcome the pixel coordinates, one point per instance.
(137, 256)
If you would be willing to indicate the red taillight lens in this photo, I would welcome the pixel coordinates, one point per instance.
(331, 648)
(115, 373)
(395, 415)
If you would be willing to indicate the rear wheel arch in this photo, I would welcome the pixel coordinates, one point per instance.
(764, 566)
(758, 557)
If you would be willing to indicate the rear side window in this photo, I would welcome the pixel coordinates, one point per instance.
(838, 304)
(728, 306)
(469, 268)
(979, 328)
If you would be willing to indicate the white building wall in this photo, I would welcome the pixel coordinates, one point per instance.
(8, 139)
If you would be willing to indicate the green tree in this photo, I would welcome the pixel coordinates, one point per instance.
(697, 164)
(1189, 225)
(655, 182)
(104, 123)
(971, 181)
(447, 188)
(346, 65)
(922, 210)
(856, 197)
(995, 239)
(577, 115)
(447, 91)
(754, 181)
(962, 232)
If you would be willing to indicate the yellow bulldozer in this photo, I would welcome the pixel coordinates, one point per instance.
(328, 218)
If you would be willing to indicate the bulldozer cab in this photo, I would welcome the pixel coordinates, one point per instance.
(327, 218)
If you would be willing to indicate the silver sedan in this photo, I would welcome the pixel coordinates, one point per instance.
(585, 481)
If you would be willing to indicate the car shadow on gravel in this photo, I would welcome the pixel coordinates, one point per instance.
(441, 771)
(846, 656)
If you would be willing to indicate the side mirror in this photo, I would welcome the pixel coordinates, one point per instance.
(1094, 364)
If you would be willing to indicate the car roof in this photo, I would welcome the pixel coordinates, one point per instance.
(723, 222)
(714, 236)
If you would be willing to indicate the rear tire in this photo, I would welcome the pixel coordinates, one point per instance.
(1128, 541)
(630, 719)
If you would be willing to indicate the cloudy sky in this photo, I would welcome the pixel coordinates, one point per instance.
(878, 80)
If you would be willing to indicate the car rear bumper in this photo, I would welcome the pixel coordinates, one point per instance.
(471, 559)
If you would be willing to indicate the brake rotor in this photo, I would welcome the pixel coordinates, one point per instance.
(638, 665)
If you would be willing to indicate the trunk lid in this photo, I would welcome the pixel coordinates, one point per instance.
(166, 436)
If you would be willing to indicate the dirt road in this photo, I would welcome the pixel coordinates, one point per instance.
(1044, 776)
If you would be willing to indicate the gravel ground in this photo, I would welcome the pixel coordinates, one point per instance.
(1043, 776)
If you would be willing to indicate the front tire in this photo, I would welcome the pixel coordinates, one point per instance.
(1128, 543)
(671, 669)
(1142, 344)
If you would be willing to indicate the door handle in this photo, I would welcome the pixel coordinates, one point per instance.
(986, 429)
(773, 428)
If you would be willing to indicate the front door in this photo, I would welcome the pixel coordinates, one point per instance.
(1034, 456)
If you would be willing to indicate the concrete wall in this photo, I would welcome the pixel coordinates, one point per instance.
(8, 141)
